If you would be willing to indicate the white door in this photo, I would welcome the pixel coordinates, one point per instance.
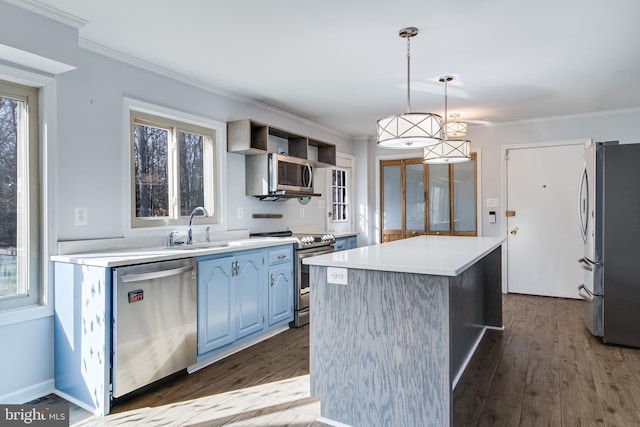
(544, 239)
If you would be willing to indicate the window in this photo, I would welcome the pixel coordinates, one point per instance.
(173, 170)
(339, 194)
(339, 211)
(19, 195)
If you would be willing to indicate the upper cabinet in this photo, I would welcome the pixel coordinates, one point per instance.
(249, 137)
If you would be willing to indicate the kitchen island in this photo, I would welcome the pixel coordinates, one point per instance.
(394, 325)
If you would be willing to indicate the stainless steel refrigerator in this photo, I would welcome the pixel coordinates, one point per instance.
(609, 214)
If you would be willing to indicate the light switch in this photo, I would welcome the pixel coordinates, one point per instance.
(492, 217)
(337, 276)
(493, 203)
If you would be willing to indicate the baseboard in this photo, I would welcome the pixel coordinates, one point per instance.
(331, 422)
(245, 344)
(30, 393)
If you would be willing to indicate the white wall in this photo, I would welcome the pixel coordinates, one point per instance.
(87, 167)
(91, 155)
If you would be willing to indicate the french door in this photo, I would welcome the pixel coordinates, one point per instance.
(421, 199)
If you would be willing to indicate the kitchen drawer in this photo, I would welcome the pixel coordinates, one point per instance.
(282, 254)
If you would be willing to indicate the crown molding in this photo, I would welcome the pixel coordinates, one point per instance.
(50, 12)
(137, 62)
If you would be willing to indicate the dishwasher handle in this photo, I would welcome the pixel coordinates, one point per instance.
(128, 278)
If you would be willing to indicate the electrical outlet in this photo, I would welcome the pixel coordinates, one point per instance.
(337, 276)
(81, 216)
(240, 213)
(301, 212)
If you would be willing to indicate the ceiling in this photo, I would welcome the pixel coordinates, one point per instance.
(342, 64)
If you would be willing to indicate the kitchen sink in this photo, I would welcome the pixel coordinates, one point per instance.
(195, 246)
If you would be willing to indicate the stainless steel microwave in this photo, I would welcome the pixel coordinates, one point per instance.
(277, 176)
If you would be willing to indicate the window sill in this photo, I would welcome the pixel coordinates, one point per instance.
(24, 314)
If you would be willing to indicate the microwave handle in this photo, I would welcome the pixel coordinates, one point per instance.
(309, 183)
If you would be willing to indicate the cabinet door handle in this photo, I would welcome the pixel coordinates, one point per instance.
(272, 280)
(282, 256)
(235, 268)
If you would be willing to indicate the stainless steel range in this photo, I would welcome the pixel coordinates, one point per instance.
(307, 245)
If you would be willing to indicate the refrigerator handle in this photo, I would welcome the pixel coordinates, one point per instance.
(583, 207)
(586, 264)
(588, 296)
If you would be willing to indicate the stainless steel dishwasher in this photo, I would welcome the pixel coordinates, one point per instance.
(154, 322)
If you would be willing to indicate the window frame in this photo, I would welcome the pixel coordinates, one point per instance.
(346, 203)
(214, 169)
(28, 170)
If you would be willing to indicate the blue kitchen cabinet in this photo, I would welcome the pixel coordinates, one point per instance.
(344, 243)
(249, 290)
(215, 297)
(229, 298)
(280, 285)
(242, 295)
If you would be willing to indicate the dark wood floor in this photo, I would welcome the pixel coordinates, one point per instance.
(544, 369)
(279, 358)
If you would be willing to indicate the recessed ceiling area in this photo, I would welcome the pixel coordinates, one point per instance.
(342, 64)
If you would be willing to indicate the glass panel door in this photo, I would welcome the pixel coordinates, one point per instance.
(392, 203)
(439, 200)
(415, 198)
(464, 198)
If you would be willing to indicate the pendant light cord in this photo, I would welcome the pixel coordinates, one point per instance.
(445, 80)
(445, 109)
(408, 74)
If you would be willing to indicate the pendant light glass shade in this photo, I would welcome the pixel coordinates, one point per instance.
(448, 151)
(409, 130)
(456, 129)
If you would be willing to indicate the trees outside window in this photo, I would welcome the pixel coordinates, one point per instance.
(173, 169)
(19, 195)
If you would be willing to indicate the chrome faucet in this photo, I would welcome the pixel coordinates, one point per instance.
(193, 212)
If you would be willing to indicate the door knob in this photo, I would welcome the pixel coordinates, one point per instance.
(514, 231)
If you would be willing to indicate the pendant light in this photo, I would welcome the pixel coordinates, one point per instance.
(456, 128)
(409, 130)
(448, 150)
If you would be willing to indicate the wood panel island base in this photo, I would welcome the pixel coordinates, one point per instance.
(394, 325)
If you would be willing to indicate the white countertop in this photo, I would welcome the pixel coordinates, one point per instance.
(435, 255)
(121, 257)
